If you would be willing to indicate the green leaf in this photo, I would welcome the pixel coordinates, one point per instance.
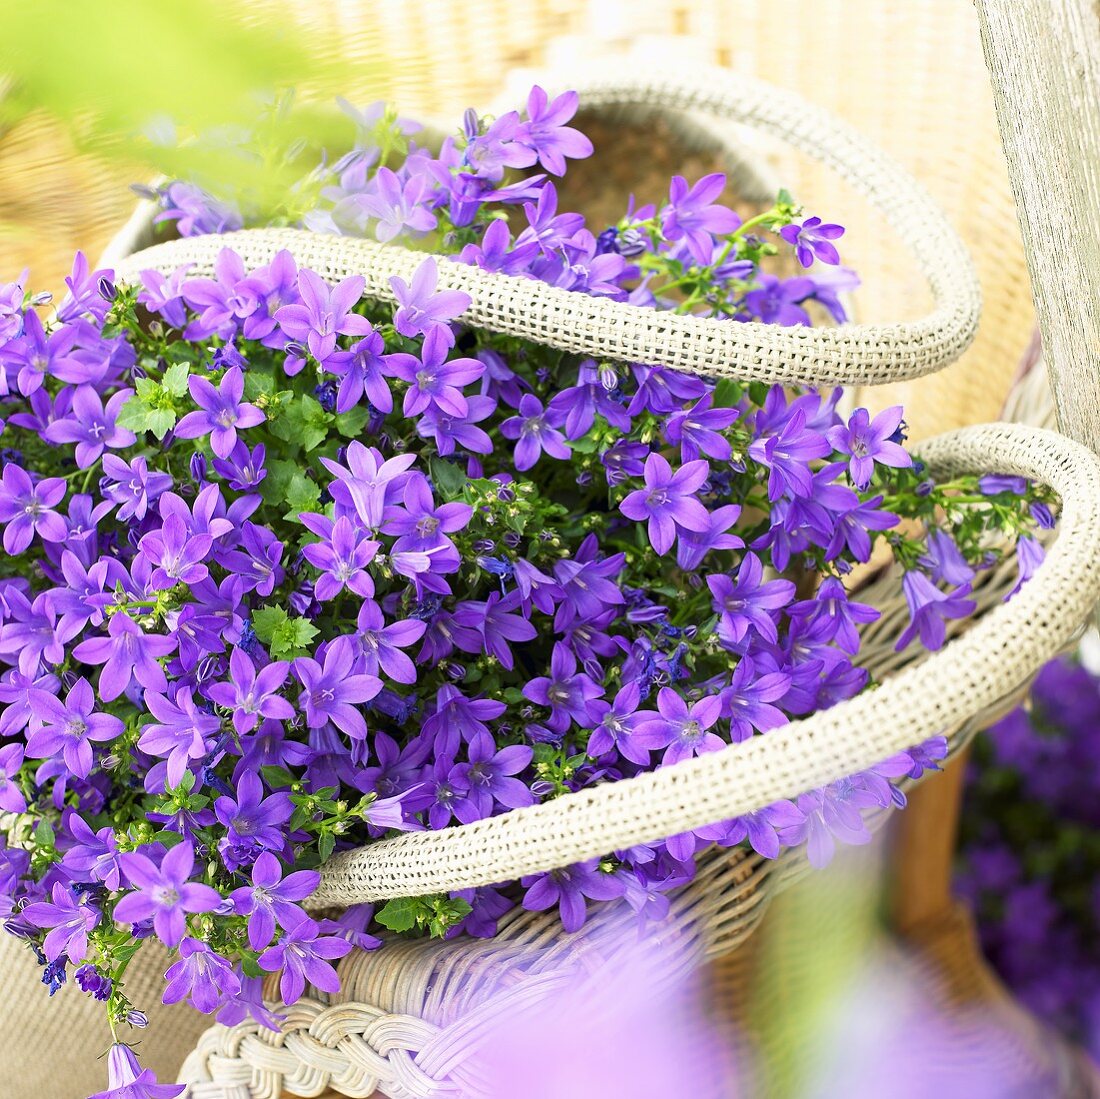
(138, 416)
(250, 966)
(44, 834)
(326, 844)
(303, 422)
(294, 639)
(277, 777)
(447, 478)
(350, 424)
(727, 393)
(258, 383)
(302, 494)
(175, 379)
(266, 620)
(284, 636)
(400, 914)
(147, 389)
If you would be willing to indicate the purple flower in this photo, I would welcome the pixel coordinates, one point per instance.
(929, 608)
(616, 725)
(833, 616)
(788, 453)
(457, 718)
(813, 239)
(537, 430)
(488, 779)
(362, 370)
(668, 500)
(331, 692)
(423, 525)
(126, 1079)
(698, 430)
(164, 295)
(867, 441)
(748, 602)
(342, 557)
(993, 484)
(303, 955)
(11, 797)
(381, 645)
(70, 916)
(33, 635)
(827, 815)
(86, 297)
(763, 828)
(546, 135)
(216, 300)
(693, 545)
(165, 894)
(568, 889)
(324, 314)
(91, 425)
(944, 562)
(252, 695)
(693, 216)
(132, 485)
(11, 308)
(567, 692)
(27, 509)
(126, 653)
(450, 432)
(195, 211)
(178, 554)
(1030, 554)
(585, 584)
(368, 482)
(253, 823)
(34, 355)
(94, 856)
(592, 394)
(433, 381)
(204, 977)
(421, 308)
(495, 252)
(776, 301)
(400, 208)
(243, 469)
(682, 730)
(180, 732)
(221, 411)
(271, 898)
(747, 701)
(69, 727)
(545, 225)
(94, 983)
(489, 626)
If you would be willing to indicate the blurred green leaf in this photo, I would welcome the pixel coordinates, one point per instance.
(144, 82)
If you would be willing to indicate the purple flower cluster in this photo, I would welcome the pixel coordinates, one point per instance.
(1030, 853)
(289, 570)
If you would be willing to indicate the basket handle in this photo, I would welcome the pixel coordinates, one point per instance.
(571, 321)
(990, 660)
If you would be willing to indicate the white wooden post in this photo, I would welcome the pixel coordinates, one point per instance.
(1044, 63)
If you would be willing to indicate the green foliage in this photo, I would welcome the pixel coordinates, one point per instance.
(432, 915)
(155, 404)
(285, 636)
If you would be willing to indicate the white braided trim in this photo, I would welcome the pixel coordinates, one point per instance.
(973, 672)
(849, 355)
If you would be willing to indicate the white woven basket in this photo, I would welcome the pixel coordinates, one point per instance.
(410, 1017)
